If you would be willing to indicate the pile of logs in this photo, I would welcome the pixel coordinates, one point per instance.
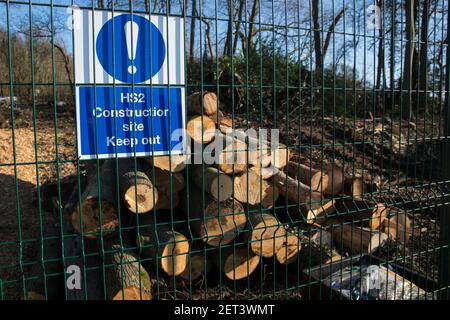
(228, 207)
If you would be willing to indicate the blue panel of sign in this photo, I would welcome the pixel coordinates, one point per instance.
(125, 120)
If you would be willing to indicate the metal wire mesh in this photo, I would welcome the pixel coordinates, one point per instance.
(359, 93)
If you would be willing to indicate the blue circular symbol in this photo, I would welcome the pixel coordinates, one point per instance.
(127, 54)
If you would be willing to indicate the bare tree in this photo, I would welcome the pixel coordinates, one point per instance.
(319, 50)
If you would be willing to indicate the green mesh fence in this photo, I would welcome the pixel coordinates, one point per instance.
(351, 204)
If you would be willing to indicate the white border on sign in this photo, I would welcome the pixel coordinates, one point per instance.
(113, 82)
(132, 154)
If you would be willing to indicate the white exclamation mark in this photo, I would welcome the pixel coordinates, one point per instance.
(131, 38)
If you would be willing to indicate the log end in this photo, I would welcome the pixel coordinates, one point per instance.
(175, 254)
(146, 198)
(240, 264)
(91, 217)
(289, 250)
(267, 236)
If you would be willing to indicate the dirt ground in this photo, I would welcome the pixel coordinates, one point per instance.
(21, 219)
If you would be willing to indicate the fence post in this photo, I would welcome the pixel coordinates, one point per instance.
(444, 218)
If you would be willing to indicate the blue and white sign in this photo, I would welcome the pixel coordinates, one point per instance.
(116, 59)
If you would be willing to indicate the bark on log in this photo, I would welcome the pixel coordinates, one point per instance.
(354, 187)
(89, 209)
(319, 215)
(217, 223)
(266, 235)
(335, 180)
(214, 181)
(297, 192)
(257, 148)
(356, 240)
(265, 173)
(250, 188)
(167, 249)
(221, 120)
(126, 277)
(173, 163)
(233, 157)
(398, 227)
(288, 252)
(91, 279)
(280, 156)
(137, 191)
(236, 263)
(309, 176)
(168, 184)
(195, 105)
(201, 129)
(364, 212)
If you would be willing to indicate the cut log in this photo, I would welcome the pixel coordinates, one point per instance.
(80, 255)
(266, 234)
(166, 180)
(88, 210)
(217, 223)
(335, 180)
(126, 277)
(197, 265)
(167, 249)
(316, 179)
(296, 191)
(265, 173)
(214, 181)
(237, 263)
(379, 214)
(354, 187)
(233, 156)
(280, 156)
(289, 250)
(201, 129)
(173, 163)
(319, 215)
(221, 120)
(198, 103)
(168, 184)
(356, 240)
(398, 227)
(250, 188)
(136, 189)
(363, 212)
(258, 148)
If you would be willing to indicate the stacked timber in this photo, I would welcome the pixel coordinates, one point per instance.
(227, 212)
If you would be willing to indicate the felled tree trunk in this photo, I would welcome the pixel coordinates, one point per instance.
(356, 240)
(236, 263)
(266, 235)
(250, 188)
(214, 181)
(197, 265)
(297, 192)
(168, 249)
(173, 163)
(288, 252)
(126, 277)
(136, 189)
(217, 223)
(316, 179)
(168, 184)
(198, 103)
(201, 129)
(97, 215)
